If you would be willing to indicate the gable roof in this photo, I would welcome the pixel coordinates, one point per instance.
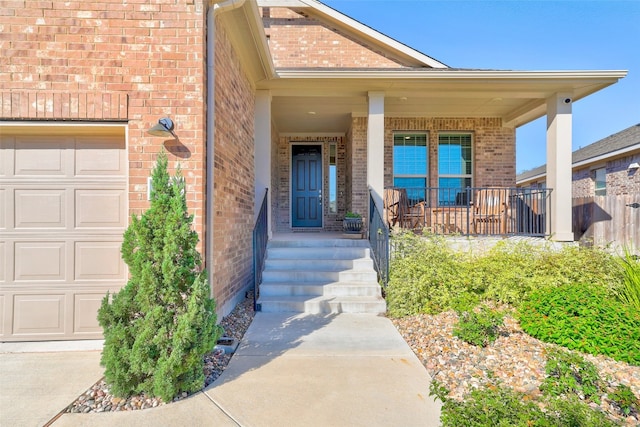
(619, 143)
(335, 95)
(357, 30)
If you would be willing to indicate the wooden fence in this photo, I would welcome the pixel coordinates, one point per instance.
(607, 221)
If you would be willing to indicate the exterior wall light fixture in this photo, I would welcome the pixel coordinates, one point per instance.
(163, 128)
(633, 165)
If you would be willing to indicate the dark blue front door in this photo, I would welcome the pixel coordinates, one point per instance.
(306, 186)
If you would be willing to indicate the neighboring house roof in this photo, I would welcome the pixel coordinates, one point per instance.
(614, 145)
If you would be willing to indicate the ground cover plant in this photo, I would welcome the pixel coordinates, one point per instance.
(498, 406)
(580, 289)
(583, 317)
(479, 327)
(159, 326)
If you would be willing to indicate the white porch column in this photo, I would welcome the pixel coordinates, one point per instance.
(559, 165)
(262, 152)
(375, 147)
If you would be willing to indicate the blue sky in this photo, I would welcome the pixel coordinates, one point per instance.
(526, 35)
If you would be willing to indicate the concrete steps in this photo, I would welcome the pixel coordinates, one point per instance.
(320, 276)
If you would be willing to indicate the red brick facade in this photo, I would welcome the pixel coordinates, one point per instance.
(112, 61)
(136, 62)
(234, 174)
(620, 179)
(494, 155)
(296, 41)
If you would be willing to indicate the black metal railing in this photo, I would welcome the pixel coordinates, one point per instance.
(489, 211)
(379, 241)
(260, 240)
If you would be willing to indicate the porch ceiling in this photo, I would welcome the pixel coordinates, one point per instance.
(323, 101)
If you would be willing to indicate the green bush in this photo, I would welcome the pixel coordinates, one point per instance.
(571, 412)
(478, 328)
(569, 374)
(159, 326)
(495, 406)
(427, 276)
(584, 318)
(625, 400)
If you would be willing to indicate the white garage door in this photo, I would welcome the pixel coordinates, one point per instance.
(63, 210)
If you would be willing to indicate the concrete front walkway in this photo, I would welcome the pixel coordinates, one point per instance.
(290, 370)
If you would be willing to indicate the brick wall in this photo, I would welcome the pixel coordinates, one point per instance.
(582, 183)
(234, 175)
(493, 147)
(359, 192)
(620, 180)
(297, 41)
(112, 61)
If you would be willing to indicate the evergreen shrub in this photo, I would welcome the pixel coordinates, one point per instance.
(160, 325)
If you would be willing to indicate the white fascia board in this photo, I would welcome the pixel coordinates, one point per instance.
(370, 32)
(260, 40)
(531, 178)
(450, 74)
(607, 156)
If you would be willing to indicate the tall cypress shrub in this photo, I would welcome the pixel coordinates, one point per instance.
(160, 325)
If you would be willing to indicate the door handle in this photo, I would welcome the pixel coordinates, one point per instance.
(320, 195)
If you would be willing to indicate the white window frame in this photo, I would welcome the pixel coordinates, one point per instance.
(472, 160)
(603, 190)
(409, 133)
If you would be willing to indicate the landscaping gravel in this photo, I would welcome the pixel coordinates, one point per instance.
(516, 359)
(98, 398)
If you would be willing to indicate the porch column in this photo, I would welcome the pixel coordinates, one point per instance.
(559, 166)
(262, 152)
(375, 147)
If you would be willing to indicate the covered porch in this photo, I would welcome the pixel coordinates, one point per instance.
(326, 139)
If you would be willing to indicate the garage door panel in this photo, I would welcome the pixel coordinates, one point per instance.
(100, 208)
(41, 261)
(3, 330)
(38, 314)
(40, 208)
(98, 261)
(5, 156)
(100, 157)
(86, 313)
(63, 211)
(4, 203)
(3, 262)
(40, 157)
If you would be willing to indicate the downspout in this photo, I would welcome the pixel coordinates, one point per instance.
(213, 10)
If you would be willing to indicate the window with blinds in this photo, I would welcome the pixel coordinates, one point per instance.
(411, 164)
(455, 165)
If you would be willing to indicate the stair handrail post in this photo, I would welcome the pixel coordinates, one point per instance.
(260, 240)
(379, 240)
